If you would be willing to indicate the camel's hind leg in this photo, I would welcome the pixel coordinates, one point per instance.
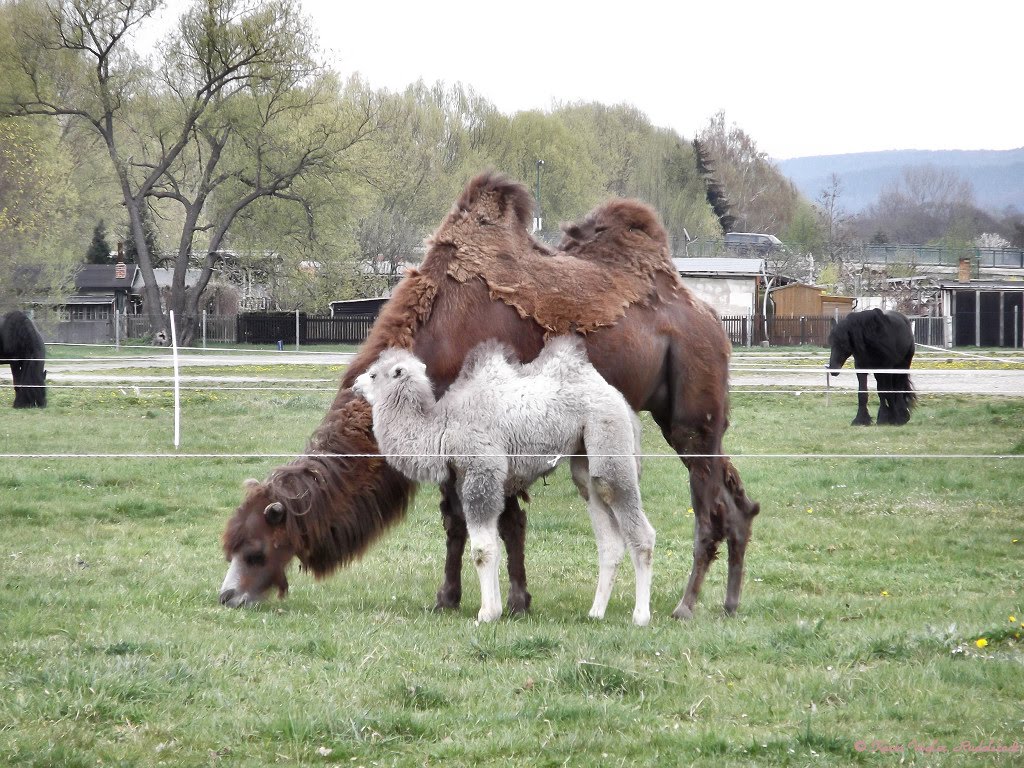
(707, 533)
(615, 487)
(610, 545)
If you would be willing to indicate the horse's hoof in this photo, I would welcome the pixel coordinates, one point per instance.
(730, 610)
(641, 618)
(682, 612)
(859, 422)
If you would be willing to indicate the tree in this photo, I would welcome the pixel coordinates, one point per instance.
(99, 248)
(236, 109)
(131, 252)
(39, 251)
(922, 206)
(834, 220)
(760, 198)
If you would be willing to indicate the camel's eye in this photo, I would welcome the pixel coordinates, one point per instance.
(373, 376)
(256, 558)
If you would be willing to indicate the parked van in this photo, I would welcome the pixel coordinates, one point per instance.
(752, 241)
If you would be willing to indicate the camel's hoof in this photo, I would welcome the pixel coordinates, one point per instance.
(682, 613)
(486, 617)
(641, 618)
(519, 603)
(447, 601)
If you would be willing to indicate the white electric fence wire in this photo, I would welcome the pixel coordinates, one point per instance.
(179, 455)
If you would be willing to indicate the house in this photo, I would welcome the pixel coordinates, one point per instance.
(358, 307)
(730, 285)
(100, 289)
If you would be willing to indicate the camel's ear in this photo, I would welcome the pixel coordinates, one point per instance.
(397, 371)
(274, 513)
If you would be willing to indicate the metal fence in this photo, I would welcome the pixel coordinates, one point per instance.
(913, 255)
(753, 330)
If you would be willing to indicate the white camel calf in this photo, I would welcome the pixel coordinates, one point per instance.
(499, 427)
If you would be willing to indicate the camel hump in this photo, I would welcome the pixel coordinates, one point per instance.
(618, 216)
(493, 197)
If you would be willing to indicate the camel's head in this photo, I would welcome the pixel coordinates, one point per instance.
(257, 545)
(394, 369)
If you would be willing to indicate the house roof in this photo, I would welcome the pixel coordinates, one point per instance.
(80, 299)
(725, 266)
(102, 277)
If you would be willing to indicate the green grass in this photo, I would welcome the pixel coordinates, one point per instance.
(869, 582)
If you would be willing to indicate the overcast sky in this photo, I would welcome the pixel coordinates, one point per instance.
(801, 78)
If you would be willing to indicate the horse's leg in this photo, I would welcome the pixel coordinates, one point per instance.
(482, 502)
(20, 392)
(610, 544)
(886, 386)
(449, 595)
(863, 418)
(512, 528)
(902, 400)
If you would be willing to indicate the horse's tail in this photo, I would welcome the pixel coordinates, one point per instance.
(901, 383)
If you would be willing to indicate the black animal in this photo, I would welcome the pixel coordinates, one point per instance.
(23, 348)
(877, 339)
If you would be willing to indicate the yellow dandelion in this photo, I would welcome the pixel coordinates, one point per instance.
(884, 593)
(1013, 619)
(981, 642)
(689, 511)
(810, 510)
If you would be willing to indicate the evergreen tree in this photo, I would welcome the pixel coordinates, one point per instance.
(99, 248)
(716, 196)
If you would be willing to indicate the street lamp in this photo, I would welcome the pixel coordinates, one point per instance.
(538, 221)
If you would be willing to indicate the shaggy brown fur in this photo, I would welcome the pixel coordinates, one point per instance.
(336, 502)
(485, 237)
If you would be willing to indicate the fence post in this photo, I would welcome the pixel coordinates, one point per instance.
(947, 331)
(117, 329)
(204, 329)
(296, 330)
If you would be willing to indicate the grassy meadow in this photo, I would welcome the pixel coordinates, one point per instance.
(879, 622)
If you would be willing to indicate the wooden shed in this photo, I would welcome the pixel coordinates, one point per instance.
(802, 300)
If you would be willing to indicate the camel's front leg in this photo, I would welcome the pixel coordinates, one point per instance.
(482, 501)
(449, 595)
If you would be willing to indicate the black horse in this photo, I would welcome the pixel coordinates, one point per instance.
(23, 348)
(877, 339)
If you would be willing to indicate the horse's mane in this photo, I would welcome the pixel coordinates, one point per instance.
(614, 263)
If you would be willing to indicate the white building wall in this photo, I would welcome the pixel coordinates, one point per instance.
(728, 295)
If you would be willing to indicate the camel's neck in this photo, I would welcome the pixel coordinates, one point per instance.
(406, 426)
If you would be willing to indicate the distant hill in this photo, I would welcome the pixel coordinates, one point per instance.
(997, 175)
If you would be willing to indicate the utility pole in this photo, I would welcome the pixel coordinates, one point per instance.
(538, 221)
